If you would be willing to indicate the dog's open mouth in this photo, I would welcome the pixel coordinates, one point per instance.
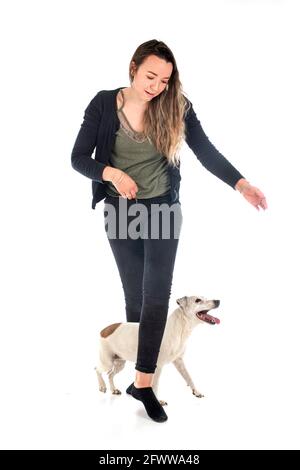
(204, 316)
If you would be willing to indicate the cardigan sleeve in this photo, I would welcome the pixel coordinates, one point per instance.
(206, 152)
(86, 141)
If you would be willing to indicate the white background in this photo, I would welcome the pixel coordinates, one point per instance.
(238, 64)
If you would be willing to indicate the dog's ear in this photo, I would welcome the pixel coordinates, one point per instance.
(182, 302)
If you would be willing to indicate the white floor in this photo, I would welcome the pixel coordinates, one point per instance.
(54, 403)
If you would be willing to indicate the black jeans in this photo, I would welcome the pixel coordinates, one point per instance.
(145, 259)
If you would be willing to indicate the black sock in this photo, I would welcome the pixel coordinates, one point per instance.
(150, 402)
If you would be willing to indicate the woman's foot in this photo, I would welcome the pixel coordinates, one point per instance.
(150, 402)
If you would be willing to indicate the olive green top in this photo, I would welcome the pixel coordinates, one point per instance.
(135, 154)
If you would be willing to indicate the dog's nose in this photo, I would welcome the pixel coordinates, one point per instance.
(217, 303)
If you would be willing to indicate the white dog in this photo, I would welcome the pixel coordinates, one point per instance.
(119, 342)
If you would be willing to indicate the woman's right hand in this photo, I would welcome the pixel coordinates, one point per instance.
(123, 183)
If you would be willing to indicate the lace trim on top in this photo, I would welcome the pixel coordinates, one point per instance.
(125, 124)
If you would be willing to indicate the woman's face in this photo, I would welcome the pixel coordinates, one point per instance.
(152, 76)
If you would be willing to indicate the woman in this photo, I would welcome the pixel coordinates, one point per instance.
(137, 132)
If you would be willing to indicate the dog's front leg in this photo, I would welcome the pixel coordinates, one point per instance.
(155, 384)
(180, 366)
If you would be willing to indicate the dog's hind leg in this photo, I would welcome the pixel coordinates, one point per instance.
(179, 364)
(102, 386)
(105, 364)
(118, 365)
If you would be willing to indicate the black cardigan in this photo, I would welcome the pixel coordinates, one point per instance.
(99, 128)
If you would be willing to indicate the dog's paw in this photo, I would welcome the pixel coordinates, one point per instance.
(116, 392)
(102, 389)
(162, 402)
(197, 394)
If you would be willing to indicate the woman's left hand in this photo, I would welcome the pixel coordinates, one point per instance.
(252, 194)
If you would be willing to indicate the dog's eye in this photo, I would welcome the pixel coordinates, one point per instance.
(198, 300)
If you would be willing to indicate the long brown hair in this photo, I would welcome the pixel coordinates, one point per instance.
(164, 117)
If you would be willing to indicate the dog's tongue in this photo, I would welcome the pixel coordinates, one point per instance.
(209, 318)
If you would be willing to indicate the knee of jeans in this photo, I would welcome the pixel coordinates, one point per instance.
(160, 298)
(133, 300)
(159, 286)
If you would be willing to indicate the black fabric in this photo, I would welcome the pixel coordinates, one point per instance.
(152, 406)
(146, 270)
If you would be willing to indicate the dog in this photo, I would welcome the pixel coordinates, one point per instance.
(119, 342)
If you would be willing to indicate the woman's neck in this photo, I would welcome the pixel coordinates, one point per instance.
(132, 97)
